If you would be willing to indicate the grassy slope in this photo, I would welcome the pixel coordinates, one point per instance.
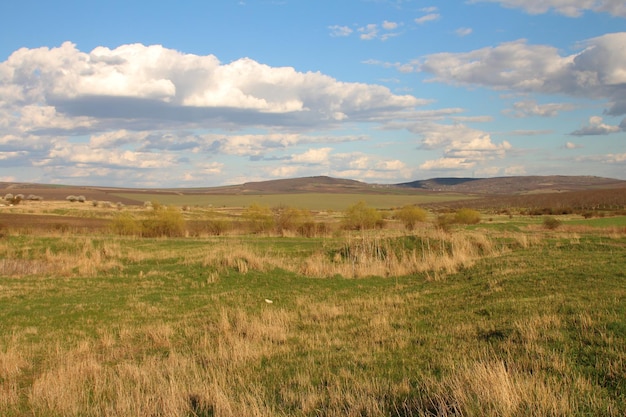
(537, 331)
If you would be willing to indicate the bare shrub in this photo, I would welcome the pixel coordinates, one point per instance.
(551, 223)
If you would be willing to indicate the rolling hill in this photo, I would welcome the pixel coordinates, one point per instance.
(522, 185)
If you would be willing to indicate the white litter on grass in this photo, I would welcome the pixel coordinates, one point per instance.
(268, 301)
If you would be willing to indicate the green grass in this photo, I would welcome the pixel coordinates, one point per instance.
(538, 330)
(612, 221)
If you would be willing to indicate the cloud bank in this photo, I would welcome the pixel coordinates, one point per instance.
(138, 109)
(596, 72)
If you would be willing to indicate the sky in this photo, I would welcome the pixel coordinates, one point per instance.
(208, 93)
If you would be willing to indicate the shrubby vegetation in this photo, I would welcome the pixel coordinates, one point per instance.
(410, 216)
(164, 222)
(360, 217)
(551, 223)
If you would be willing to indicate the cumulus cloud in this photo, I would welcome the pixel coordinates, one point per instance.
(463, 147)
(571, 8)
(340, 31)
(596, 127)
(137, 82)
(528, 108)
(313, 156)
(598, 71)
(427, 18)
(134, 110)
(359, 165)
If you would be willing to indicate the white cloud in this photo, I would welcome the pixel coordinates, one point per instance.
(340, 31)
(528, 108)
(83, 155)
(427, 18)
(313, 156)
(462, 32)
(596, 127)
(463, 147)
(361, 166)
(571, 8)
(156, 86)
(447, 164)
(597, 72)
(571, 145)
(389, 25)
(369, 32)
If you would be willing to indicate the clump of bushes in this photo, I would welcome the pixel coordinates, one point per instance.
(75, 198)
(14, 199)
(467, 216)
(259, 219)
(411, 215)
(463, 216)
(165, 222)
(360, 217)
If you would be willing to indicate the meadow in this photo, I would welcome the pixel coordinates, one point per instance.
(504, 317)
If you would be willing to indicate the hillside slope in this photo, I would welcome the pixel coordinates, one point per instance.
(516, 185)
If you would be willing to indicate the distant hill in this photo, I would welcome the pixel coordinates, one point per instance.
(516, 185)
(328, 185)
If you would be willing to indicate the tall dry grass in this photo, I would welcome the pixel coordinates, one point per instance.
(439, 252)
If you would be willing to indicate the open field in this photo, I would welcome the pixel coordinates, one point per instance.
(502, 318)
(311, 201)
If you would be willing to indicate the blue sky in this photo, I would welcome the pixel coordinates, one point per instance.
(198, 93)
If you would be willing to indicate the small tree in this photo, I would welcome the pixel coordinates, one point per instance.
(410, 215)
(359, 217)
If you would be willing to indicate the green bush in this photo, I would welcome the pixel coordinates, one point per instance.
(410, 215)
(359, 217)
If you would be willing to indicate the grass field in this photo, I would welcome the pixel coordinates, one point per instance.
(504, 318)
(311, 201)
